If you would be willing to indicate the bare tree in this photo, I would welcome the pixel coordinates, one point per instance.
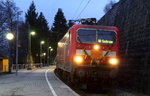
(109, 6)
(8, 12)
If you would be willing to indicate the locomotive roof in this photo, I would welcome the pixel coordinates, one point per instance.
(76, 26)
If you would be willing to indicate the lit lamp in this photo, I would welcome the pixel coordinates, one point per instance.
(44, 54)
(9, 36)
(48, 55)
(50, 49)
(96, 47)
(32, 33)
(30, 53)
(42, 42)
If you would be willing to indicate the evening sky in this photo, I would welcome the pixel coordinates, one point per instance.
(71, 8)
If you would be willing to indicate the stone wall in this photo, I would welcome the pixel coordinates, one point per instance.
(132, 17)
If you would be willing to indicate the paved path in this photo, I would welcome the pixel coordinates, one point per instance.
(34, 83)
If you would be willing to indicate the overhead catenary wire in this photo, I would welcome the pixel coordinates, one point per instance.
(77, 9)
(83, 9)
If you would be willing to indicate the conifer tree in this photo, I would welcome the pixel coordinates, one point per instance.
(43, 30)
(43, 27)
(31, 21)
(59, 26)
(31, 16)
(40, 26)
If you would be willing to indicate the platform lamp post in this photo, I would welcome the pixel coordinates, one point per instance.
(51, 55)
(50, 50)
(30, 53)
(44, 54)
(9, 37)
(41, 43)
(17, 34)
(48, 55)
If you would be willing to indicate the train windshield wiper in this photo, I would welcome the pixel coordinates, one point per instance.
(83, 47)
(114, 39)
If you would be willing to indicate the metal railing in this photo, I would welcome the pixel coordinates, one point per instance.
(25, 66)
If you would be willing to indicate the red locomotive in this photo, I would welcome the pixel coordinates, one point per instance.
(88, 52)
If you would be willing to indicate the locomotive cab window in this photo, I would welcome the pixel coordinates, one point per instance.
(86, 36)
(96, 36)
(106, 37)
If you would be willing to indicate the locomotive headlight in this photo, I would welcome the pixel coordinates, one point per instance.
(78, 59)
(96, 47)
(113, 61)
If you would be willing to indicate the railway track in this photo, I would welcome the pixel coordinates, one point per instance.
(99, 91)
(93, 91)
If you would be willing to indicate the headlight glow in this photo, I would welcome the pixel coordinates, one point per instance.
(78, 59)
(113, 61)
(96, 47)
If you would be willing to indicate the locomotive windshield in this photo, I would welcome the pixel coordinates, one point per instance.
(96, 36)
(86, 36)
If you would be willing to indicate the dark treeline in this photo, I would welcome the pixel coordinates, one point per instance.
(39, 25)
(36, 22)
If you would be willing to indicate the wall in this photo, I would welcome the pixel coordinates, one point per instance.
(132, 17)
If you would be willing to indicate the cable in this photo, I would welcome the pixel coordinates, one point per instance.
(77, 9)
(84, 8)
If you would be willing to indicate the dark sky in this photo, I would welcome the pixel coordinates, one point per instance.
(73, 9)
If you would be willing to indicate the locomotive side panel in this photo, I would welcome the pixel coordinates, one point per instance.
(65, 51)
(62, 52)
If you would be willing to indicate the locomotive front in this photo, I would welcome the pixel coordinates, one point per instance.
(96, 52)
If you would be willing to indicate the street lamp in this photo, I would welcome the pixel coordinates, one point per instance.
(32, 33)
(18, 13)
(30, 53)
(44, 54)
(9, 37)
(41, 43)
(50, 49)
(50, 55)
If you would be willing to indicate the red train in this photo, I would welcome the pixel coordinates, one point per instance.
(88, 52)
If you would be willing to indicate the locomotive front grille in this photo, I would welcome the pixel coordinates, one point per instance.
(98, 74)
(96, 54)
(94, 72)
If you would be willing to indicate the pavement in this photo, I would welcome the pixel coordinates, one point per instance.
(37, 82)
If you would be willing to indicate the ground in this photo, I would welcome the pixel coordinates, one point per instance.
(43, 82)
(33, 83)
